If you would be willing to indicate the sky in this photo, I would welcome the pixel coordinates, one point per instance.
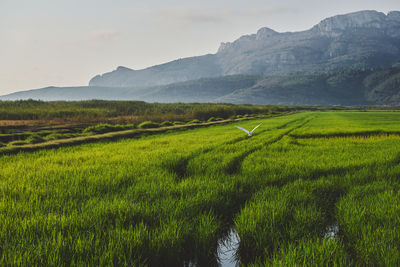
(67, 42)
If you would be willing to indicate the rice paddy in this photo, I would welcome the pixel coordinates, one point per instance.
(315, 188)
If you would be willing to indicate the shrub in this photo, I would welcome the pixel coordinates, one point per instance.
(178, 123)
(166, 123)
(99, 128)
(57, 136)
(149, 124)
(34, 139)
(17, 143)
(105, 128)
(214, 119)
(194, 121)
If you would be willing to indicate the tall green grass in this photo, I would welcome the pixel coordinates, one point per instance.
(169, 199)
(140, 111)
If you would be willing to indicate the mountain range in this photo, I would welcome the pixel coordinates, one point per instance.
(347, 59)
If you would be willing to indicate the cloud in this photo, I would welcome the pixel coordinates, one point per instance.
(268, 11)
(200, 16)
(94, 38)
(102, 35)
(209, 15)
(181, 15)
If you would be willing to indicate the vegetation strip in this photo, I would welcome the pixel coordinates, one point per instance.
(109, 136)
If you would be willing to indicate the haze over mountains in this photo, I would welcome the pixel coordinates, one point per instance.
(347, 59)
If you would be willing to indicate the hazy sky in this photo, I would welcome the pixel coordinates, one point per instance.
(67, 42)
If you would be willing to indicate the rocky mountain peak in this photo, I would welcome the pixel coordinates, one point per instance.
(242, 42)
(223, 46)
(122, 68)
(363, 19)
(265, 33)
(247, 41)
(394, 15)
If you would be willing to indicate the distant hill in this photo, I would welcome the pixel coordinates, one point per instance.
(345, 87)
(362, 40)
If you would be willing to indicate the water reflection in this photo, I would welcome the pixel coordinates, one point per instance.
(332, 230)
(227, 250)
(225, 253)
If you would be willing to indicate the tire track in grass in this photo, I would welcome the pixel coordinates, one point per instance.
(260, 131)
(179, 167)
(229, 238)
(327, 206)
(328, 198)
(234, 166)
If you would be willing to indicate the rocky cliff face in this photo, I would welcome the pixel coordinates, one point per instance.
(363, 39)
(360, 40)
(335, 26)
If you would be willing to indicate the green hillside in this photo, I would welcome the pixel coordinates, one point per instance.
(347, 87)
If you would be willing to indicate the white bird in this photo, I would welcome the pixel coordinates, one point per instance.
(250, 133)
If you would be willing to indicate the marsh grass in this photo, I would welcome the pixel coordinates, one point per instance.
(168, 199)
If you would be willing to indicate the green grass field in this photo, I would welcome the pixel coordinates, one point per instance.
(170, 199)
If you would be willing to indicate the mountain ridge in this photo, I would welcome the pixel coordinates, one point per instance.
(364, 39)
